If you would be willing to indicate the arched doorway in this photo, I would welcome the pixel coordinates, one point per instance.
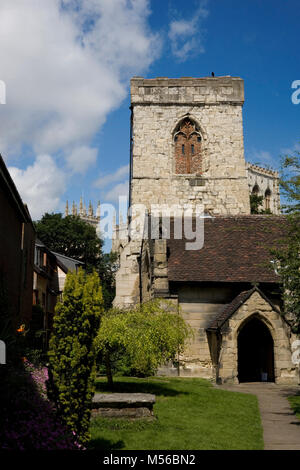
(255, 352)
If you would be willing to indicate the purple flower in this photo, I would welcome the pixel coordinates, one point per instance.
(30, 419)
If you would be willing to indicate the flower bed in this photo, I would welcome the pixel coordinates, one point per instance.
(28, 420)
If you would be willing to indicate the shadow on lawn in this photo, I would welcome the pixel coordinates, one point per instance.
(158, 388)
(104, 444)
(296, 407)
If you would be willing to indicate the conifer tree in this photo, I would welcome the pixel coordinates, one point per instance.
(72, 351)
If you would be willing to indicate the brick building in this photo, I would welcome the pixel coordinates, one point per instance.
(17, 238)
(50, 271)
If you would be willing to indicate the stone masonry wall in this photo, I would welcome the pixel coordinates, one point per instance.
(285, 371)
(215, 105)
(265, 181)
(199, 306)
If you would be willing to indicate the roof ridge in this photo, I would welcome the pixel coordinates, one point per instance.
(235, 304)
(68, 257)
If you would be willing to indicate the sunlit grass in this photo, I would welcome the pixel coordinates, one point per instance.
(190, 414)
(295, 404)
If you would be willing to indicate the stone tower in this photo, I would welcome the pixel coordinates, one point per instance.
(87, 216)
(187, 148)
(187, 143)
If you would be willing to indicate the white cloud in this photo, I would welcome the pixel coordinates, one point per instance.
(66, 65)
(262, 156)
(41, 185)
(186, 35)
(111, 193)
(121, 189)
(104, 181)
(266, 159)
(61, 83)
(291, 150)
(81, 159)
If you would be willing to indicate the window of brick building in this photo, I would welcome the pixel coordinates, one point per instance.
(187, 140)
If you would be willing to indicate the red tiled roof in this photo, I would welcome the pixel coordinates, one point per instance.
(236, 249)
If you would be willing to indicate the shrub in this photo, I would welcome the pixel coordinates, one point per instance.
(72, 351)
(34, 339)
(148, 335)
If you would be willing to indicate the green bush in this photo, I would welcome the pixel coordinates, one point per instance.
(34, 340)
(146, 336)
(72, 351)
(119, 361)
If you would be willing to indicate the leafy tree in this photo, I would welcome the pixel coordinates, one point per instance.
(73, 237)
(70, 236)
(149, 335)
(290, 182)
(106, 268)
(72, 351)
(35, 340)
(255, 203)
(288, 256)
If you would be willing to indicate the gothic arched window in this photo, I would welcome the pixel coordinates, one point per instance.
(268, 199)
(187, 139)
(255, 189)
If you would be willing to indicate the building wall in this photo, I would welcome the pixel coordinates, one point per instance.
(199, 306)
(215, 357)
(285, 370)
(215, 105)
(61, 279)
(221, 182)
(16, 259)
(46, 279)
(27, 272)
(265, 181)
(10, 252)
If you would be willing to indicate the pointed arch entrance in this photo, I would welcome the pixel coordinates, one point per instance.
(255, 352)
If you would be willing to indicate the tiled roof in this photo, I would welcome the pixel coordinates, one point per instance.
(236, 249)
(67, 263)
(231, 308)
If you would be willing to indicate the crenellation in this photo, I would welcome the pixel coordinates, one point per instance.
(188, 90)
(264, 182)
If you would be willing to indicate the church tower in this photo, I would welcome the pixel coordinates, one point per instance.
(187, 144)
(187, 149)
(87, 216)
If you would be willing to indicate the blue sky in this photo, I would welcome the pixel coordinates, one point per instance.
(64, 131)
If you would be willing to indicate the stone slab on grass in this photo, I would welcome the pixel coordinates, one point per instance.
(123, 405)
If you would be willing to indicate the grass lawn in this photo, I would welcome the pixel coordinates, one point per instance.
(191, 414)
(295, 404)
